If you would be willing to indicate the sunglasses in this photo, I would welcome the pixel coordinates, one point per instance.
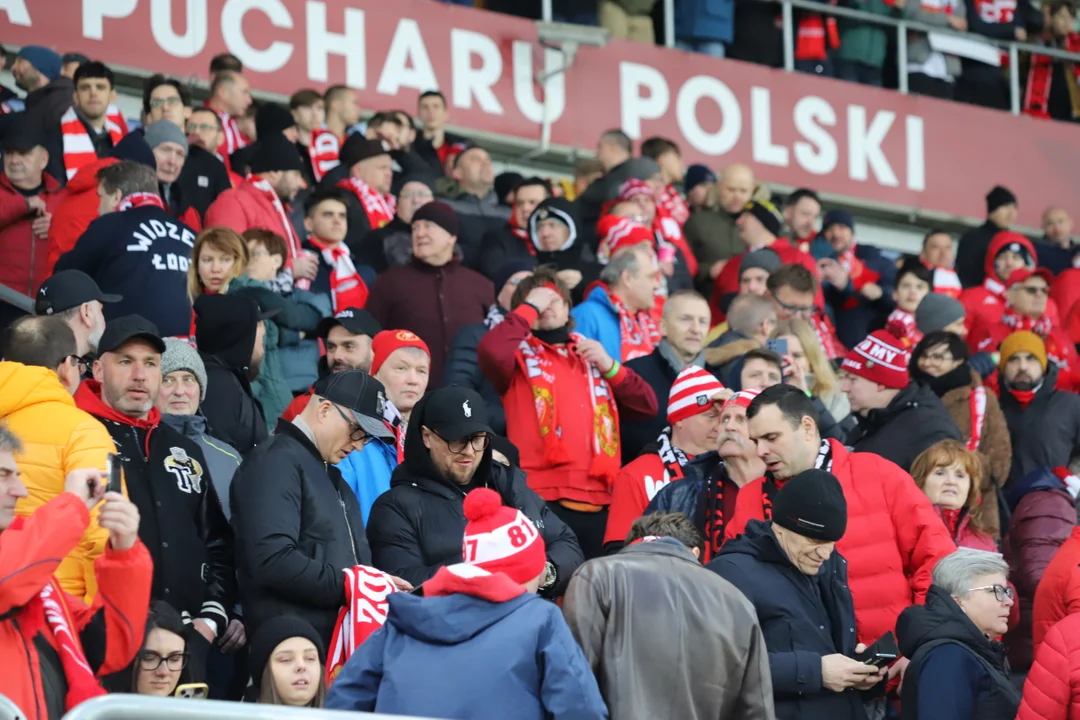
(1037, 290)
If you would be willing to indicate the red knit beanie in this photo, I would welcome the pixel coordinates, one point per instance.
(692, 393)
(880, 358)
(388, 341)
(501, 539)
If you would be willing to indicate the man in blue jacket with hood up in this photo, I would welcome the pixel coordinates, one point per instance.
(475, 642)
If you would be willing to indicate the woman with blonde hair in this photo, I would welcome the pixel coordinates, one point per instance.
(950, 476)
(219, 257)
(808, 368)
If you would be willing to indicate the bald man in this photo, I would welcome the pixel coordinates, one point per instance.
(1056, 247)
(711, 232)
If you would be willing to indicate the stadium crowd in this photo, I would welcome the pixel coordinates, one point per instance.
(396, 434)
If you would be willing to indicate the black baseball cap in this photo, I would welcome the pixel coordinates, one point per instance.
(67, 289)
(23, 137)
(355, 320)
(122, 329)
(456, 412)
(361, 394)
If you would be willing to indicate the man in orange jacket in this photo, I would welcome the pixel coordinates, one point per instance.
(35, 613)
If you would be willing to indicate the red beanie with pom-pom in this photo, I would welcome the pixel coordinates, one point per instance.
(501, 539)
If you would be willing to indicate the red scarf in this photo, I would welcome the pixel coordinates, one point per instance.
(638, 331)
(977, 407)
(49, 608)
(380, 209)
(534, 361)
(116, 117)
(324, 151)
(901, 324)
(78, 148)
(234, 139)
(268, 191)
(816, 36)
(1041, 75)
(857, 271)
(947, 282)
(364, 612)
(347, 288)
(666, 228)
(1023, 397)
(521, 233)
(673, 202)
(141, 199)
(1044, 328)
(826, 335)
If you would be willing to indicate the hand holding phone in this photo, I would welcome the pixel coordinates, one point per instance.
(881, 653)
(114, 469)
(193, 691)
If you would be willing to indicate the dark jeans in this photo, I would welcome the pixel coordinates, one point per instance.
(588, 526)
(919, 84)
(857, 72)
(990, 95)
(824, 68)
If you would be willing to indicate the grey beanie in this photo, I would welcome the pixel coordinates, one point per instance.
(936, 311)
(179, 355)
(165, 131)
(766, 259)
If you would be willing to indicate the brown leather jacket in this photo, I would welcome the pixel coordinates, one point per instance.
(689, 645)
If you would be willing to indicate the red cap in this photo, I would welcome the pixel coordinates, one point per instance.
(880, 358)
(388, 341)
(1022, 274)
(618, 233)
(501, 539)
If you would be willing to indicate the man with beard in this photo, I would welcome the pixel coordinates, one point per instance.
(48, 92)
(166, 476)
(229, 334)
(712, 481)
(894, 537)
(75, 298)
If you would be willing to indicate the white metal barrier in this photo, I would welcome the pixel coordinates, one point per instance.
(143, 707)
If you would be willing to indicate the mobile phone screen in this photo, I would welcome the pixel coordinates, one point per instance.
(114, 467)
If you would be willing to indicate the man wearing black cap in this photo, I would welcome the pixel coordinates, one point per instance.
(28, 198)
(270, 119)
(462, 367)
(1001, 212)
(416, 527)
(435, 295)
(366, 173)
(298, 525)
(229, 334)
(166, 477)
(73, 296)
(139, 251)
(789, 570)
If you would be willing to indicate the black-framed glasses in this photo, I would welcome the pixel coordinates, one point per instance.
(803, 311)
(358, 434)
(478, 442)
(151, 661)
(1000, 591)
(79, 360)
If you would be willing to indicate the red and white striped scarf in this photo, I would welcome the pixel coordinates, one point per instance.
(826, 335)
(116, 115)
(78, 147)
(234, 139)
(670, 199)
(347, 288)
(901, 324)
(947, 282)
(977, 406)
(141, 199)
(324, 151)
(380, 209)
(639, 332)
(364, 612)
(270, 193)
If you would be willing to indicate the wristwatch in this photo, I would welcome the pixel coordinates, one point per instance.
(549, 576)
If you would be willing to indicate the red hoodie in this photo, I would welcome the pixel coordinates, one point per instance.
(985, 304)
(78, 209)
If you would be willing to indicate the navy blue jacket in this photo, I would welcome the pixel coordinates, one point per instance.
(701, 495)
(659, 374)
(142, 254)
(803, 618)
(705, 20)
(863, 316)
(460, 656)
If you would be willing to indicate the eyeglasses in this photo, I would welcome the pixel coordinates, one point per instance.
(151, 661)
(478, 442)
(1000, 591)
(358, 434)
(201, 127)
(82, 362)
(797, 310)
(162, 102)
(938, 358)
(1037, 290)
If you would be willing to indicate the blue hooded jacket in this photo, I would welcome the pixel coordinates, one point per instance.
(367, 471)
(465, 657)
(596, 318)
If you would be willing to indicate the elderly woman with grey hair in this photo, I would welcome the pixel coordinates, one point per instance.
(958, 669)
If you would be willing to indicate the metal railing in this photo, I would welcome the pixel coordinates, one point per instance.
(901, 27)
(141, 707)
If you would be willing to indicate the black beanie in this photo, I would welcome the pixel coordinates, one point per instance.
(272, 118)
(439, 213)
(272, 633)
(274, 152)
(997, 197)
(812, 504)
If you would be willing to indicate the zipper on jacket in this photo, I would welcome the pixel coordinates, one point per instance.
(345, 513)
(34, 681)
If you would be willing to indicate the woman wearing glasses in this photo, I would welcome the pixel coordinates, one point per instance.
(160, 664)
(957, 667)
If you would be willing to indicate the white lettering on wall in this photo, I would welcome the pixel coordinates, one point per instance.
(916, 154)
(817, 154)
(272, 58)
(475, 82)
(407, 62)
(192, 42)
(864, 146)
(554, 92)
(724, 139)
(16, 12)
(633, 78)
(321, 43)
(94, 13)
(765, 151)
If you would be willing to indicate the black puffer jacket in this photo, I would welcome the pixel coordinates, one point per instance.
(912, 422)
(417, 526)
(1046, 433)
(226, 334)
(298, 525)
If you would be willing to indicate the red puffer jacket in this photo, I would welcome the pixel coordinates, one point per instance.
(1058, 592)
(1052, 690)
(894, 537)
(25, 255)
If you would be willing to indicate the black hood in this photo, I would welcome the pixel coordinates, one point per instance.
(914, 395)
(418, 467)
(225, 329)
(942, 619)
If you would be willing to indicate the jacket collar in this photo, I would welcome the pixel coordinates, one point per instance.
(667, 353)
(287, 428)
(671, 549)
(186, 425)
(88, 398)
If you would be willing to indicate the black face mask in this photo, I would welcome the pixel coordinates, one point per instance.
(958, 377)
(558, 336)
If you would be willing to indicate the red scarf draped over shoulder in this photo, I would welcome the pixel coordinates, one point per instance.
(1041, 76)
(380, 209)
(639, 332)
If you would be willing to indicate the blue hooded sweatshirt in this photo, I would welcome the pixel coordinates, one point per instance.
(597, 319)
(367, 471)
(471, 648)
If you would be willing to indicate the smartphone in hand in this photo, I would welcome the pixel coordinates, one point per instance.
(115, 469)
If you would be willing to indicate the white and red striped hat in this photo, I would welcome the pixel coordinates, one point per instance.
(743, 398)
(501, 539)
(691, 393)
(880, 358)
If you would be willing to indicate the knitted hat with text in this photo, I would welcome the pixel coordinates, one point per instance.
(501, 539)
(880, 358)
(692, 393)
